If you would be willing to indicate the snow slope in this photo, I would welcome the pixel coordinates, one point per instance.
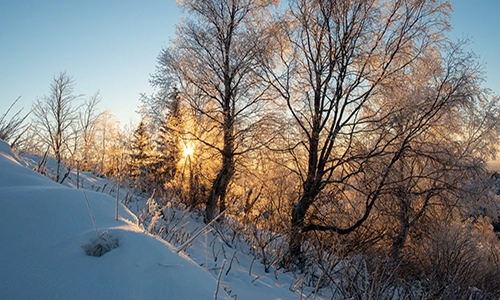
(43, 227)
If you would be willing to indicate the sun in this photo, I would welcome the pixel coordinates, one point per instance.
(188, 150)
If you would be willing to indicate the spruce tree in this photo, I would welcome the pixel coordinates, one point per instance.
(169, 138)
(168, 141)
(141, 168)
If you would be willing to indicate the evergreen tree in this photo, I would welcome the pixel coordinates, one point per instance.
(168, 141)
(141, 168)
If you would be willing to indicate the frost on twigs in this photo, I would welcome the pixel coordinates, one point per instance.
(102, 245)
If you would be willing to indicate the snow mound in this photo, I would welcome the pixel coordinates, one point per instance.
(6, 153)
(45, 228)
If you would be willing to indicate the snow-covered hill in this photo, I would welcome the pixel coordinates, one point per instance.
(44, 228)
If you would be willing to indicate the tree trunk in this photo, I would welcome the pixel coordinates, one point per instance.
(58, 160)
(404, 225)
(311, 189)
(296, 236)
(299, 211)
(399, 242)
(221, 182)
(219, 188)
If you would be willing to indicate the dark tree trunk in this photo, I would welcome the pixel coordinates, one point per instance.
(296, 235)
(218, 191)
(58, 167)
(403, 201)
(221, 182)
(311, 189)
(400, 241)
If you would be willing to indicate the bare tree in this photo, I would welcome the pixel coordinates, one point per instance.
(88, 120)
(55, 114)
(436, 173)
(338, 56)
(215, 58)
(110, 144)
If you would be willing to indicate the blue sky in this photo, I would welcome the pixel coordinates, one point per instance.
(112, 46)
(109, 46)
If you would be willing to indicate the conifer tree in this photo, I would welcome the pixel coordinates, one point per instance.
(168, 141)
(142, 157)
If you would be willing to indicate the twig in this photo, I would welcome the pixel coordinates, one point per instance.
(256, 277)
(170, 266)
(231, 262)
(104, 186)
(251, 265)
(91, 214)
(78, 175)
(119, 186)
(218, 279)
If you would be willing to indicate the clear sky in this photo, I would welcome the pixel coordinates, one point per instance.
(108, 45)
(112, 45)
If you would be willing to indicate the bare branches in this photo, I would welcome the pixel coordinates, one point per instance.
(55, 114)
(12, 129)
(336, 75)
(216, 58)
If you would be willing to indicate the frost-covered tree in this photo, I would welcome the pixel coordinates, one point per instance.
(168, 141)
(333, 61)
(142, 157)
(110, 144)
(215, 60)
(54, 116)
(444, 164)
(88, 120)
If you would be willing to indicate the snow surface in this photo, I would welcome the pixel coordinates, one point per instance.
(45, 225)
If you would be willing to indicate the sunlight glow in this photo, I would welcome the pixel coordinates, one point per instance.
(188, 150)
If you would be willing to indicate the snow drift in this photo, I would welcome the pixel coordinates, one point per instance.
(44, 228)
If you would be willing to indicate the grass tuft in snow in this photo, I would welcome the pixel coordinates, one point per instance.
(104, 242)
(102, 245)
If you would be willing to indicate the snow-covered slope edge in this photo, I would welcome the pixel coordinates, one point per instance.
(43, 227)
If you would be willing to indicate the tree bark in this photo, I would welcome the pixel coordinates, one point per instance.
(296, 235)
(399, 241)
(299, 211)
(219, 188)
(221, 182)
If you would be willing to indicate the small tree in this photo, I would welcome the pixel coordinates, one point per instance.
(54, 115)
(141, 157)
(107, 149)
(88, 120)
(168, 141)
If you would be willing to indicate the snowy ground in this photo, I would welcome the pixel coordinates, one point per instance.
(45, 226)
